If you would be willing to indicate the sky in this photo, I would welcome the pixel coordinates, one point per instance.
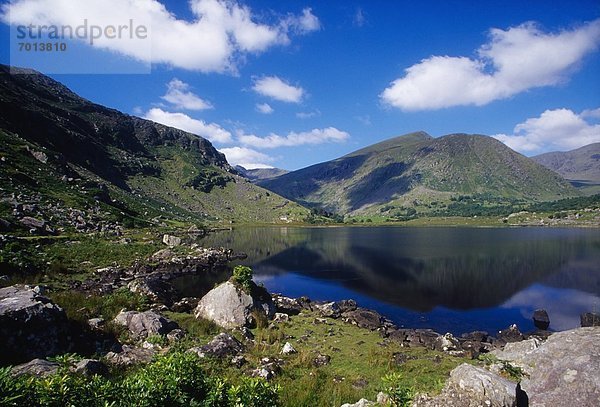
(289, 84)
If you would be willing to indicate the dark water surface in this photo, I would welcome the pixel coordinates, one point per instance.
(449, 279)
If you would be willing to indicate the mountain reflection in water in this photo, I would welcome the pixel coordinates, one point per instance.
(448, 279)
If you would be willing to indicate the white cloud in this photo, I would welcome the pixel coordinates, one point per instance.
(591, 113)
(274, 87)
(220, 33)
(559, 129)
(264, 108)
(359, 18)
(315, 136)
(308, 115)
(246, 157)
(180, 97)
(513, 61)
(210, 131)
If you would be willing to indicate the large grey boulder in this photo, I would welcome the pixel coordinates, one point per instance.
(220, 346)
(565, 370)
(471, 386)
(143, 324)
(230, 307)
(36, 367)
(31, 326)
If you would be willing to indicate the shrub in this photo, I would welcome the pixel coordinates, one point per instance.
(242, 275)
(400, 395)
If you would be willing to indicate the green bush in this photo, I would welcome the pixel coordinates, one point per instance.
(400, 395)
(242, 275)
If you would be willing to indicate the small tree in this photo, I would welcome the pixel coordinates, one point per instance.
(242, 275)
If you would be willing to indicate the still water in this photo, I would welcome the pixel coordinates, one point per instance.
(449, 279)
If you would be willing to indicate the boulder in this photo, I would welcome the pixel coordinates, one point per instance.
(90, 367)
(288, 349)
(364, 318)
(510, 334)
(186, 304)
(220, 346)
(517, 352)
(156, 289)
(565, 370)
(590, 319)
(446, 343)
(33, 223)
(321, 360)
(471, 386)
(36, 367)
(286, 305)
(281, 317)
(230, 307)
(171, 241)
(129, 356)
(143, 324)
(541, 319)
(31, 326)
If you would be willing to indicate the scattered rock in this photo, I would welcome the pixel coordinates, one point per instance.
(360, 403)
(40, 156)
(31, 326)
(364, 318)
(510, 334)
(220, 346)
(280, 317)
(590, 319)
(541, 319)
(186, 304)
(156, 289)
(130, 355)
(162, 255)
(286, 305)
(143, 324)
(288, 349)
(96, 323)
(471, 386)
(36, 367)
(33, 223)
(328, 310)
(175, 335)
(321, 360)
(446, 343)
(91, 367)
(171, 241)
(230, 307)
(517, 352)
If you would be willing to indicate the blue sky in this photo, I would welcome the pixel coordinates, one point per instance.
(290, 84)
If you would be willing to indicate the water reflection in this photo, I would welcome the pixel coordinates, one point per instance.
(429, 275)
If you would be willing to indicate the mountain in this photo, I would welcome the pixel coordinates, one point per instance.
(259, 174)
(580, 166)
(58, 150)
(424, 173)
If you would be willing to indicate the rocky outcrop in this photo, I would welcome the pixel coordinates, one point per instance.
(143, 324)
(230, 307)
(471, 386)
(36, 367)
(31, 326)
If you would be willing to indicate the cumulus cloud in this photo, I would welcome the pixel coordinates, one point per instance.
(180, 97)
(514, 60)
(276, 88)
(315, 136)
(220, 33)
(559, 129)
(246, 157)
(210, 131)
(264, 108)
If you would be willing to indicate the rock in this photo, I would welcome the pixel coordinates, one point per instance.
(328, 310)
(157, 290)
(565, 370)
(162, 255)
(286, 305)
(143, 324)
(33, 223)
(40, 156)
(36, 367)
(171, 241)
(220, 346)
(230, 307)
(360, 403)
(446, 343)
(590, 319)
(364, 318)
(321, 360)
(91, 367)
(263, 373)
(280, 317)
(175, 335)
(517, 352)
(130, 355)
(288, 349)
(96, 323)
(471, 386)
(510, 334)
(541, 319)
(238, 361)
(186, 304)
(31, 326)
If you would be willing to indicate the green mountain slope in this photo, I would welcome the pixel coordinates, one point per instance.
(580, 166)
(58, 149)
(418, 171)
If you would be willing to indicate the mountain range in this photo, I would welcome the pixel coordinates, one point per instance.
(58, 150)
(423, 173)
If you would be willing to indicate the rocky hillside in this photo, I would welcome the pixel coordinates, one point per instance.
(580, 166)
(424, 173)
(64, 156)
(259, 174)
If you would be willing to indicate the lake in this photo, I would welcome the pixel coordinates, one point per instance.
(449, 279)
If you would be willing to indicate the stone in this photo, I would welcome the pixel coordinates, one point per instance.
(360, 403)
(129, 356)
(238, 361)
(288, 349)
(263, 373)
(510, 334)
(36, 367)
(328, 310)
(321, 360)
(364, 318)
(471, 386)
(175, 335)
(171, 241)
(33, 223)
(162, 255)
(517, 352)
(40, 156)
(286, 305)
(91, 367)
(541, 319)
(565, 370)
(220, 346)
(96, 323)
(590, 319)
(186, 304)
(157, 290)
(143, 324)
(230, 307)
(31, 326)
(446, 343)
(280, 317)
